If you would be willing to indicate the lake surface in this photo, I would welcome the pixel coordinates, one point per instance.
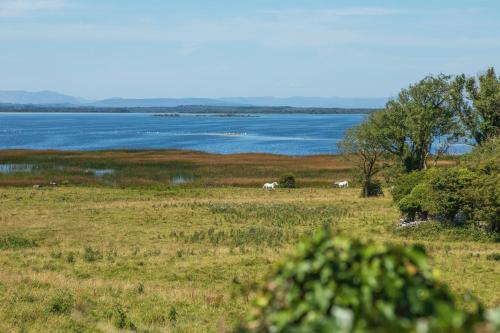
(290, 134)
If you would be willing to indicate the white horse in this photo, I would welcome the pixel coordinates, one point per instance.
(344, 184)
(269, 186)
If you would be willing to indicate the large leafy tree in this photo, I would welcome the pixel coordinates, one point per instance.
(360, 144)
(411, 123)
(478, 104)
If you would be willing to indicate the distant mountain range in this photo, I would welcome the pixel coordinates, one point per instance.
(159, 102)
(50, 98)
(304, 102)
(39, 97)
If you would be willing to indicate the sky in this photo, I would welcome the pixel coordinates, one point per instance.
(227, 48)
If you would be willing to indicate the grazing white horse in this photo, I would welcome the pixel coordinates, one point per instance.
(269, 186)
(344, 184)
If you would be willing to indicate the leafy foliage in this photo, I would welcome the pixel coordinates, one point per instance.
(435, 192)
(287, 180)
(360, 145)
(413, 205)
(478, 102)
(444, 197)
(373, 188)
(337, 285)
(483, 196)
(470, 191)
(404, 184)
(409, 124)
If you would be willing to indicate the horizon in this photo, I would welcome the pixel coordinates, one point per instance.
(181, 97)
(283, 49)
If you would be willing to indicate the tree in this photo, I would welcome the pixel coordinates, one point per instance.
(360, 143)
(478, 104)
(410, 124)
(287, 180)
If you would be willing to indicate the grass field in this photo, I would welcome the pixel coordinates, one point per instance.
(184, 259)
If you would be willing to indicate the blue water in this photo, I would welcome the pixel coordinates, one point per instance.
(290, 134)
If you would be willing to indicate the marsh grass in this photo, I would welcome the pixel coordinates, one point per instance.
(147, 168)
(186, 259)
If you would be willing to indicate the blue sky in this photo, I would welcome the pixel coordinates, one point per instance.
(216, 48)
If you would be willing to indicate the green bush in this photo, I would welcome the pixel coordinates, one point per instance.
(91, 255)
(437, 192)
(445, 197)
(493, 256)
(287, 180)
(337, 285)
(62, 303)
(467, 192)
(404, 184)
(410, 207)
(483, 201)
(483, 196)
(373, 188)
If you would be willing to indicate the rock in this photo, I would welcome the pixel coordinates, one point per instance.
(403, 223)
(460, 218)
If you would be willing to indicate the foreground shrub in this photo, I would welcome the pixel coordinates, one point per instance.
(287, 181)
(337, 285)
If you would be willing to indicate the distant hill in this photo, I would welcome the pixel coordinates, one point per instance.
(39, 98)
(159, 102)
(304, 102)
(47, 98)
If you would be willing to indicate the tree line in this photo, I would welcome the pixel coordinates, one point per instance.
(421, 124)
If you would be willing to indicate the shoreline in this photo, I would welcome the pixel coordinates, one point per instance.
(184, 151)
(183, 109)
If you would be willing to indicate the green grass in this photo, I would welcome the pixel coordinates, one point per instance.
(176, 259)
(15, 242)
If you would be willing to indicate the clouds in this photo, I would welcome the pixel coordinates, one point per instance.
(22, 8)
(329, 13)
(285, 28)
(288, 28)
(224, 47)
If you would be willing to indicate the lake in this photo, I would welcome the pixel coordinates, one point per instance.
(290, 134)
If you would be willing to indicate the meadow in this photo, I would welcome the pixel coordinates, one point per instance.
(128, 252)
